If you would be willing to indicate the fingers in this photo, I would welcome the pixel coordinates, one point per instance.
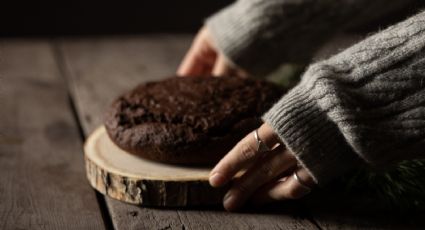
(222, 67)
(267, 134)
(243, 154)
(195, 65)
(263, 171)
(260, 178)
(286, 188)
(200, 58)
(203, 58)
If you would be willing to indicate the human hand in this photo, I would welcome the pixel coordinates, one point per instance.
(269, 176)
(203, 58)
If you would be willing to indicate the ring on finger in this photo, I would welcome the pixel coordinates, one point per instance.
(261, 146)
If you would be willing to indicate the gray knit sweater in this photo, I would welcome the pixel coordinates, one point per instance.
(363, 105)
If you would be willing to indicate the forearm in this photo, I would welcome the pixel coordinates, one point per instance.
(365, 104)
(258, 35)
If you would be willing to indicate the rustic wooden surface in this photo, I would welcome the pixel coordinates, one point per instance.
(126, 177)
(42, 179)
(99, 70)
(61, 87)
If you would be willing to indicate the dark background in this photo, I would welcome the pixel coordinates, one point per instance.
(95, 17)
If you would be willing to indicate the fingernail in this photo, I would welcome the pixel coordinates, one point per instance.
(216, 179)
(230, 202)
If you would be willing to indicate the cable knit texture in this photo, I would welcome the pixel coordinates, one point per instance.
(367, 103)
(364, 105)
(258, 35)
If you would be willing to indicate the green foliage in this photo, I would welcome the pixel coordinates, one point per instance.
(401, 187)
(287, 75)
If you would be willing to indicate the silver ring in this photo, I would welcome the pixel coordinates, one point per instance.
(302, 183)
(261, 146)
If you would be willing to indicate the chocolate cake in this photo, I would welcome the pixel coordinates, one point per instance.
(188, 120)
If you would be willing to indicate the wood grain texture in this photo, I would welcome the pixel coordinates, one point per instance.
(135, 180)
(41, 162)
(101, 69)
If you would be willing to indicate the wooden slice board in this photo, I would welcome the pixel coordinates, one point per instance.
(135, 180)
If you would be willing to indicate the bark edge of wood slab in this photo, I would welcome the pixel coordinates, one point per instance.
(125, 177)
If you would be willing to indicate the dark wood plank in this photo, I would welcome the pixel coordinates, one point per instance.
(126, 216)
(99, 70)
(42, 182)
(279, 216)
(334, 210)
(345, 219)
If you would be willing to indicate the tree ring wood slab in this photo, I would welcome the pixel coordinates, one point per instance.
(135, 180)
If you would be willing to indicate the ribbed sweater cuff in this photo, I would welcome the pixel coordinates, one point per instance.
(307, 132)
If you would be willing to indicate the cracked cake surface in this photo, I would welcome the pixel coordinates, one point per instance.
(188, 120)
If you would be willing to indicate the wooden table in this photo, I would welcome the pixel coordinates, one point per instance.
(52, 94)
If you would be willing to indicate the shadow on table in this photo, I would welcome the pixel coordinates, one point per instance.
(330, 210)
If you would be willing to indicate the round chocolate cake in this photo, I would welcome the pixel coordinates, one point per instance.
(188, 120)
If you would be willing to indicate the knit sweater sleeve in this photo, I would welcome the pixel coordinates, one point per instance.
(366, 104)
(258, 35)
